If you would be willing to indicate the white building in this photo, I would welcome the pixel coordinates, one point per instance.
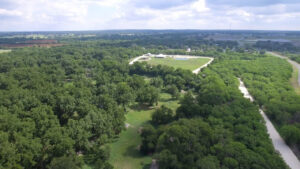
(148, 54)
(188, 50)
(160, 56)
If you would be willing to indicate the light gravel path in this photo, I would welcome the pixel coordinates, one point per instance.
(136, 59)
(286, 153)
(297, 65)
(203, 66)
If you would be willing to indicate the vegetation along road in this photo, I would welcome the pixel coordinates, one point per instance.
(295, 64)
(284, 150)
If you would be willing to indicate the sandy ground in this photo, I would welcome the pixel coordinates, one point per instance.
(179, 56)
(297, 65)
(286, 153)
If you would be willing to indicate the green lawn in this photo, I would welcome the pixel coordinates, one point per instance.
(190, 64)
(294, 80)
(4, 51)
(124, 152)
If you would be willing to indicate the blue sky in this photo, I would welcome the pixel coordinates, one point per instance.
(43, 15)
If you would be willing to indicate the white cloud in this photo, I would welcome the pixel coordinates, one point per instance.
(157, 14)
(200, 6)
(10, 12)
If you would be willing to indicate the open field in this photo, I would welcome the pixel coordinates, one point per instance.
(190, 64)
(294, 80)
(124, 152)
(4, 51)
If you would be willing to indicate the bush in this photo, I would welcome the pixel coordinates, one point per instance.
(162, 115)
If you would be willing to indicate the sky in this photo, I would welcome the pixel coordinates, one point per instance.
(59, 15)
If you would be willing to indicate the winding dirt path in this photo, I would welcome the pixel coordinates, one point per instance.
(286, 153)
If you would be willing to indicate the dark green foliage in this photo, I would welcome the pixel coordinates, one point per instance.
(291, 134)
(149, 139)
(61, 106)
(162, 115)
(148, 94)
(173, 90)
(65, 162)
(223, 130)
(124, 94)
(275, 46)
(61, 101)
(157, 82)
(213, 91)
(267, 79)
(209, 162)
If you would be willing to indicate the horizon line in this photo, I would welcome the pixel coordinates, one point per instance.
(133, 29)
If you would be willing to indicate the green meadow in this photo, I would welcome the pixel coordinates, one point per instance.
(125, 152)
(190, 64)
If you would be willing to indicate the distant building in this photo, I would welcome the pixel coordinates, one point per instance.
(148, 54)
(188, 50)
(160, 56)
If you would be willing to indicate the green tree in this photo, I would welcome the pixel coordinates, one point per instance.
(157, 82)
(124, 94)
(149, 139)
(162, 115)
(148, 94)
(291, 134)
(65, 162)
(173, 90)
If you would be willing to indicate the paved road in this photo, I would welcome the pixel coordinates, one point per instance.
(286, 153)
(297, 65)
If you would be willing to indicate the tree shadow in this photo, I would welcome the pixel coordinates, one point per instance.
(165, 99)
(147, 166)
(133, 151)
(140, 107)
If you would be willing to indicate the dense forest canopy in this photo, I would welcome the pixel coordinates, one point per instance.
(61, 106)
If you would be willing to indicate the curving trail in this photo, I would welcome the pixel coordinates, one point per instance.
(196, 71)
(203, 66)
(136, 59)
(286, 153)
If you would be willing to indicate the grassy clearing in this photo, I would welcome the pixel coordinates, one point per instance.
(294, 80)
(124, 152)
(4, 51)
(190, 64)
